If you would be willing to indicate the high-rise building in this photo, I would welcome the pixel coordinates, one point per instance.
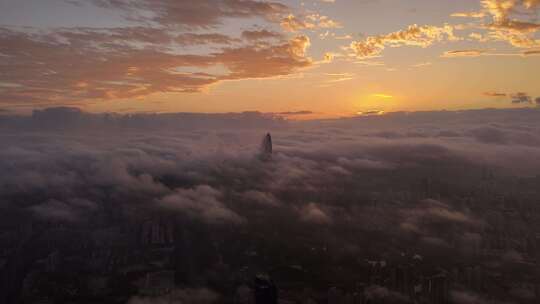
(266, 147)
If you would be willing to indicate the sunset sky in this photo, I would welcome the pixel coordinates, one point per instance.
(326, 57)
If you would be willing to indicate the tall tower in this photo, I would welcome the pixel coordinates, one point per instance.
(266, 147)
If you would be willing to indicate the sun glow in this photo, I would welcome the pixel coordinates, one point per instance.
(382, 96)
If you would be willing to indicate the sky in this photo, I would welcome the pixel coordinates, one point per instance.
(316, 58)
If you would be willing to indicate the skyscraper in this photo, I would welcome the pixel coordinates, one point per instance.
(266, 147)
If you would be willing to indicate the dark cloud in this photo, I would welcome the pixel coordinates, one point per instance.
(260, 198)
(521, 97)
(531, 53)
(202, 202)
(467, 297)
(218, 152)
(199, 14)
(433, 220)
(261, 35)
(517, 98)
(312, 213)
(495, 94)
(71, 211)
(489, 135)
(515, 25)
(471, 297)
(205, 39)
(115, 36)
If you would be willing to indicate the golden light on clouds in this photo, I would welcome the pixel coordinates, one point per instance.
(370, 113)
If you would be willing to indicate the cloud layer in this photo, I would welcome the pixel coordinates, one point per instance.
(428, 185)
(89, 64)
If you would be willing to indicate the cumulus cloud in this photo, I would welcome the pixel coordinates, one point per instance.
(359, 163)
(505, 23)
(312, 213)
(501, 12)
(203, 168)
(429, 181)
(414, 35)
(431, 212)
(201, 202)
(293, 23)
(504, 27)
(261, 198)
(489, 135)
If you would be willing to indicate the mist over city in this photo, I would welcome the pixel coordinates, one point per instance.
(426, 207)
(269, 151)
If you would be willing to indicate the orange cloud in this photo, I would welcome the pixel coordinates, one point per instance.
(292, 23)
(414, 35)
(506, 28)
(463, 53)
(495, 94)
(469, 15)
(101, 69)
(531, 53)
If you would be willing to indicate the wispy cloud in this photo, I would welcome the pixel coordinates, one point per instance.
(463, 53)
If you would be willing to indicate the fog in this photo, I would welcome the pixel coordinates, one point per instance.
(114, 200)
